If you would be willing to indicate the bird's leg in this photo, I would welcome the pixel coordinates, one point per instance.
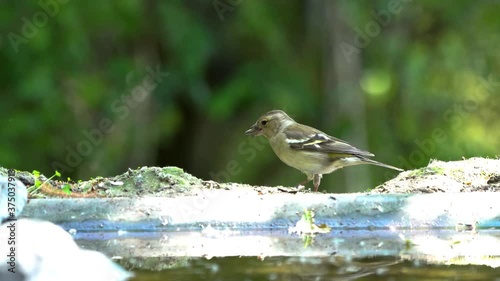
(309, 178)
(303, 183)
(316, 181)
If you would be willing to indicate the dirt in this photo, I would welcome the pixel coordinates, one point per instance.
(471, 175)
(468, 175)
(143, 181)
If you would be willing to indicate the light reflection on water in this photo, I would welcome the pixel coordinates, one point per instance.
(330, 268)
(443, 254)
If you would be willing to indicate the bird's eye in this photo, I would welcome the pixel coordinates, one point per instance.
(263, 122)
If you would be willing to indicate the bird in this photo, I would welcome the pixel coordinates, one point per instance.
(307, 149)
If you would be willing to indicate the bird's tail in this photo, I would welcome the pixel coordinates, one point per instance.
(373, 162)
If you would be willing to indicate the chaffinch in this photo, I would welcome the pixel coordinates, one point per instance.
(307, 149)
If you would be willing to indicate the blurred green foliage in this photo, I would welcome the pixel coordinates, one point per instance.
(67, 66)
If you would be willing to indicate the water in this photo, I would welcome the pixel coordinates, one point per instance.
(442, 254)
(330, 268)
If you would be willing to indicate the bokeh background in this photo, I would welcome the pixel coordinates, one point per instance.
(93, 88)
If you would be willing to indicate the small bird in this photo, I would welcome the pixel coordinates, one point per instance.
(307, 149)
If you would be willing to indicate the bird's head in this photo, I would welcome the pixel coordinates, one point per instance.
(270, 124)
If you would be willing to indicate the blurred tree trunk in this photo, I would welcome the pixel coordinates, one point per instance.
(145, 136)
(344, 101)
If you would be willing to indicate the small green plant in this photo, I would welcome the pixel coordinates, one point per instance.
(306, 225)
(38, 184)
(67, 189)
(407, 242)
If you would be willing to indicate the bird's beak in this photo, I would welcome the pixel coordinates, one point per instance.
(253, 131)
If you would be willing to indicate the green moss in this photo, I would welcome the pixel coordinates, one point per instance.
(175, 171)
(148, 180)
(425, 171)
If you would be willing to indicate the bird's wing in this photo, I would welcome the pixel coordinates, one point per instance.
(303, 137)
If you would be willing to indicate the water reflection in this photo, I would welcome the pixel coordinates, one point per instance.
(307, 268)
